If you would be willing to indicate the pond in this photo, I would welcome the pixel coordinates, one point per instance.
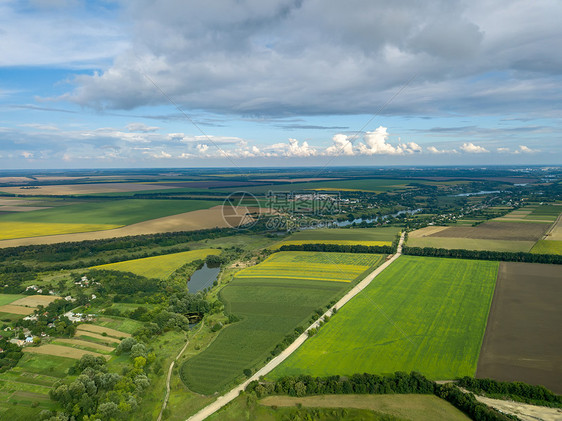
(203, 278)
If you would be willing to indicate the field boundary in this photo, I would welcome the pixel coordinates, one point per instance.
(230, 396)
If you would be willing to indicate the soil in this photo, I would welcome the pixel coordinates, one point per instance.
(522, 341)
(497, 230)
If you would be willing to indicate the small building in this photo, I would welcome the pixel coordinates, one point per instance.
(29, 339)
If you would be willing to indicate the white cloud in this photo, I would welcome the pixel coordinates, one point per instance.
(472, 148)
(202, 148)
(295, 149)
(525, 149)
(375, 143)
(27, 155)
(141, 127)
(503, 150)
(434, 150)
(342, 146)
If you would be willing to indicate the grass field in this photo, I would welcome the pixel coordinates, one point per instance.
(470, 244)
(311, 266)
(411, 407)
(159, 266)
(497, 230)
(113, 212)
(269, 308)
(547, 247)
(423, 314)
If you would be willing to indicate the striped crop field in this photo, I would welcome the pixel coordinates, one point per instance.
(159, 266)
(271, 300)
(10, 230)
(337, 267)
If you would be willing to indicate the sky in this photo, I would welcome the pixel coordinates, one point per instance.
(238, 83)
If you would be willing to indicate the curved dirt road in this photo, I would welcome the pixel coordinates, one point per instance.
(226, 398)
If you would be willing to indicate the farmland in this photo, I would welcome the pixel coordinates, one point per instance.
(159, 266)
(470, 244)
(351, 407)
(361, 236)
(422, 314)
(522, 340)
(113, 212)
(497, 230)
(311, 266)
(270, 302)
(10, 230)
(547, 247)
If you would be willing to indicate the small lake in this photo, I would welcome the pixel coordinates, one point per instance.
(370, 221)
(477, 193)
(203, 278)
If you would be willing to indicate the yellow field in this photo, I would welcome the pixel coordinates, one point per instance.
(309, 265)
(100, 329)
(62, 351)
(11, 230)
(87, 344)
(339, 242)
(107, 339)
(10, 308)
(36, 300)
(159, 266)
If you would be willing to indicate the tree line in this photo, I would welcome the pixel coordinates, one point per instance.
(517, 391)
(504, 256)
(339, 248)
(398, 382)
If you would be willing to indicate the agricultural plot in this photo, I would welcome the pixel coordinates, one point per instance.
(270, 303)
(159, 266)
(62, 351)
(187, 221)
(24, 305)
(470, 244)
(411, 407)
(497, 230)
(421, 314)
(337, 267)
(9, 298)
(522, 340)
(76, 189)
(112, 212)
(361, 236)
(547, 247)
(11, 230)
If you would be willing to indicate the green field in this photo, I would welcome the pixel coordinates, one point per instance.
(115, 212)
(341, 407)
(546, 212)
(547, 247)
(159, 266)
(269, 309)
(386, 234)
(24, 390)
(9, 298)
(470, 244)
(378, 185)
(421, 314)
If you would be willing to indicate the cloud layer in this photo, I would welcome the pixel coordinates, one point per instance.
(310, 57)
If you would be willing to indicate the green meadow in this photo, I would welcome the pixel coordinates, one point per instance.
(421, 314)
(547, 247)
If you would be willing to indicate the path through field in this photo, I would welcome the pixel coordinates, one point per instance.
(228, 397)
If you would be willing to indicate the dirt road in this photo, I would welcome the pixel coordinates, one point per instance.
(228, 397)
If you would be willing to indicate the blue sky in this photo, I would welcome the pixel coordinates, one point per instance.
(279, 83)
